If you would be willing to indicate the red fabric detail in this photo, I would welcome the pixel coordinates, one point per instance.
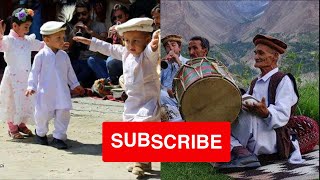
(12, 128)
(22, 125)
(307, 131)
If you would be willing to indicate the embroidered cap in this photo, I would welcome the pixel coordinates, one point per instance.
(171, 37)
(52, 27)
(135, 24)
(272, 42)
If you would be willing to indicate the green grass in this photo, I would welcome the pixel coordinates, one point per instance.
(186, 171)
(309, 100)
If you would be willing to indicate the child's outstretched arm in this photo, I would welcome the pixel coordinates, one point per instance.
(152, 49)
(155, 40)
(82, 40)
(102, 47)
(2, 29)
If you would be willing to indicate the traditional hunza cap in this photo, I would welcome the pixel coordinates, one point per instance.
(135, 24)
(172, 37)
(271, 42)
(52, 27)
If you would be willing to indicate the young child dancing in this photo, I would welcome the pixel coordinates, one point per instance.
(15, 108)
(49, 78)
(142, 84)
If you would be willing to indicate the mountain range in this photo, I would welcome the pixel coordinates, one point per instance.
(230, 26)
(227, 21)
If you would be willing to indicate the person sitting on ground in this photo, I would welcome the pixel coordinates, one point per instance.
(84, 62)
(170, 66)
(261, 126)
(119, 15)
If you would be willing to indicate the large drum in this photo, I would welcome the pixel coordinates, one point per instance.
(206, 91)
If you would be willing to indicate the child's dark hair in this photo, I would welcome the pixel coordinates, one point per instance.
(22, 15)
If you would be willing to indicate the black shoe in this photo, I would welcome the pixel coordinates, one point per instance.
(40, 140)
(59, 144)
(241, 159)
(249, 162)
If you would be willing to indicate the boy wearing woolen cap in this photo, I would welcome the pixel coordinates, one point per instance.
(141, 80)
(50, 76)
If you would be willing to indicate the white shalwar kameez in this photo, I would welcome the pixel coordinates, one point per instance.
(142, 83)
(258, 134)
(15, 107)
(50, 76)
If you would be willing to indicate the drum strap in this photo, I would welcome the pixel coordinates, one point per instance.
(284, 144)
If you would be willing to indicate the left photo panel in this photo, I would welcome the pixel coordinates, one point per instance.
(69, 69)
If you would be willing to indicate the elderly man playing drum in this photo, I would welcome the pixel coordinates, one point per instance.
(170, 65)
(255, 131)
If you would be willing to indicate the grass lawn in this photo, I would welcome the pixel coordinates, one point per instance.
(309, 100)
(194, 171)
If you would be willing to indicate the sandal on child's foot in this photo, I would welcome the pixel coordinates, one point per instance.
(15, 135)
(140, 168)
(25, 130)
(145, 167)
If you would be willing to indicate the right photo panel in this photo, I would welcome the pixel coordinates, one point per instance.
(254, 64)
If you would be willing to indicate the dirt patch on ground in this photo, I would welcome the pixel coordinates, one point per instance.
(25, 160)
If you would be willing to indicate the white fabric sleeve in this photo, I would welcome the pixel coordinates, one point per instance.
(4, 44)
(153, 56)
(116, 51)
(34, 73)
(72, 78)
(35, 44)
(281, 110)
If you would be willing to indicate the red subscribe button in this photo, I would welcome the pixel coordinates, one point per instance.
(166, 142)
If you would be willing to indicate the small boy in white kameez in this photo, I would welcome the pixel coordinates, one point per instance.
(49, 78)
(142, 85)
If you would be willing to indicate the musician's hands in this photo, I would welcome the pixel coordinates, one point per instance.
(171, 93)
(155, 40)
(29, 92)
(258, 108)
(172, 57)
(82, 40)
